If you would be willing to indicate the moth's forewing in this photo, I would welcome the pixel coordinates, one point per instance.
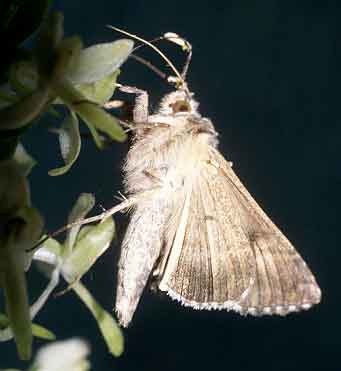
(228, 254)
(283, 280)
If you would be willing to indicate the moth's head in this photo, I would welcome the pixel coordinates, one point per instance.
(178, 102)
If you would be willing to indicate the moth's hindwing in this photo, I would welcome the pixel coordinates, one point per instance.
(227, 254)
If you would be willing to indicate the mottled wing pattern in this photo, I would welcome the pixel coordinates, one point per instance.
(230, 255)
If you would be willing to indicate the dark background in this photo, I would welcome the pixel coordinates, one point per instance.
(267, 74)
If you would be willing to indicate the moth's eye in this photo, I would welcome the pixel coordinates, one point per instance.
(180, 106)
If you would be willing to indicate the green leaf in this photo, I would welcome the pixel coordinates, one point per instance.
(93, 115)
(100, 91)
(70, 144)
(51, 245)
(72, 48)
(21, 113)
(23, 160)
(111, 332)
(4, 321)
(37, 330)
(9, 140)
(83, 205)
(42, 332)
(99, 61)
(51, 60)
(88, 249)
(30, 233)
(101, 120)
(23, 77)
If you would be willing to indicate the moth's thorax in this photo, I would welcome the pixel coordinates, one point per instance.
(176, 141)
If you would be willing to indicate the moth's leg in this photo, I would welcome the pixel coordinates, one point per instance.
(142, 128)
(140, 110)
(152, 125)
(114, 104)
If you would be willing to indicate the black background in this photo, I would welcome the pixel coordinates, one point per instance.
(267, 74)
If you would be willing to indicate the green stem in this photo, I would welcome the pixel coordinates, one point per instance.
(17, 304)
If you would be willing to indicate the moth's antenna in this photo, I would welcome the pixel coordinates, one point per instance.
(152, 41)
(149, 65)
(179, 79)
(185, 45)
(174, 38)
(188, 61)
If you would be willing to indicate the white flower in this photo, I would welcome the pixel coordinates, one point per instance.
(65, 355)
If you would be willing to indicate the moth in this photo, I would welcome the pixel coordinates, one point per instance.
(195, 231)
